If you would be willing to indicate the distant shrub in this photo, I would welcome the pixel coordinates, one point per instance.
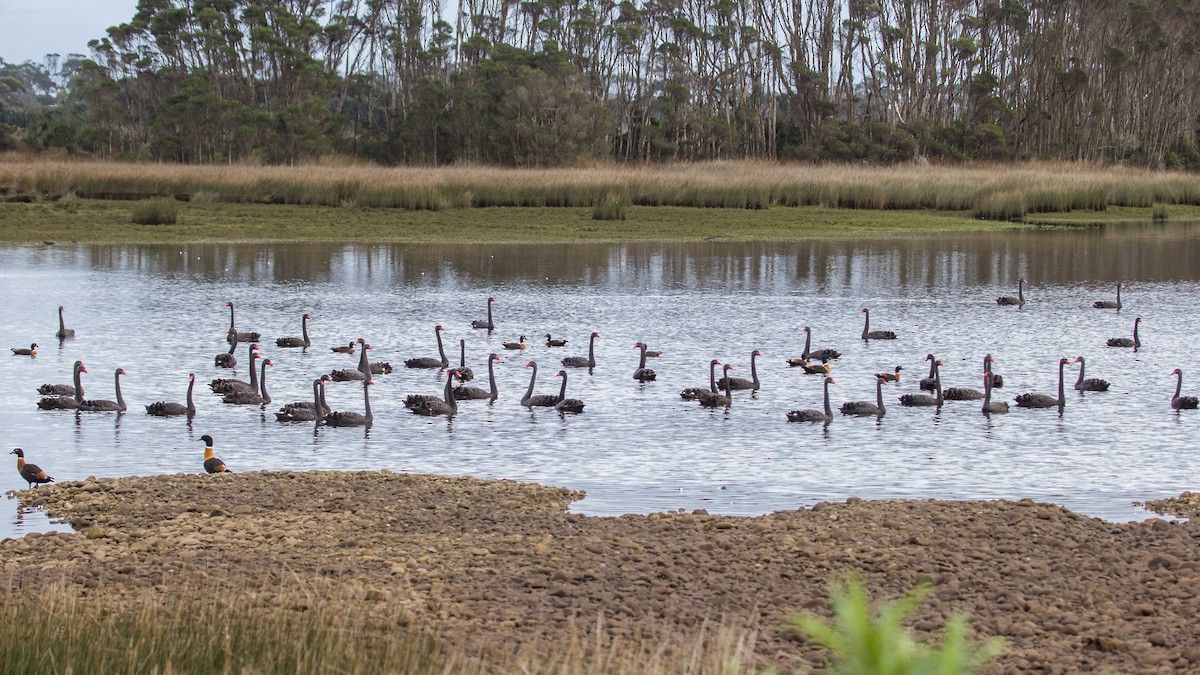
(609, 209)
(158, 212)
(1159, 213)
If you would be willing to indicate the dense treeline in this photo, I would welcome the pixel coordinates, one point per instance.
(552, 82)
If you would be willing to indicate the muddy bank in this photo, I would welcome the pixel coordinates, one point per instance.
(503, 564)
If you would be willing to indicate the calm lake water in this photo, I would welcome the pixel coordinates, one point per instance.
(157, 312)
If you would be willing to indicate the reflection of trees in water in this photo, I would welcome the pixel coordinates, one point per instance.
(1160, 252)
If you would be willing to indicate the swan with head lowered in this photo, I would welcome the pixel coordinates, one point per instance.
(241, 337)
(1136, 342)
(297, 341)
(1109, 304)
(351, 418)
(429, 361)
(866, 408)
(643, 374)
(711, 399)
(693, 393)
(741, 383)
(1091, 383)
(1182, 402)
(103, 404)
(464, 373)
(63, 332)
(588, 361)
(991, 407)
(529, 400)
(1045, 400)
(818, 354)
(811, 415)
(260, 397)
(66, 401)
(227, 359)
(446, 405)
(1020, 297)
(465, 393)
(868, 334)
(306, 411)
(567, 405)
(172, 409)
(227, 385)
(485, 323)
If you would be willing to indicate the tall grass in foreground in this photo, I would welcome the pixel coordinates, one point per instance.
(866, 641)
(156, 212)
(59, 633)
(1003, 191)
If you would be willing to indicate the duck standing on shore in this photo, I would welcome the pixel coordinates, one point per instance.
(212, 463)
(32, 473)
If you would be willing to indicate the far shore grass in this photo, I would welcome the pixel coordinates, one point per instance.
(95, 202)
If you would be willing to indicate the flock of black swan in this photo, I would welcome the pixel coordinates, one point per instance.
(717, 394)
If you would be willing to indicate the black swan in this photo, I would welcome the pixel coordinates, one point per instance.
(429, 361)
(1136, 342)
(297, 341)
(362, 372)
(226, 385)
(891, 377)
(741, 383)
(567, 405)
(917, 400)
(865, 408)
(485, 323)
(929, 383)
(103, 404)
(465, 374)
(32, 473)
(815, 415)
(170, 409)
(818, 354)
(868, 334)
(693, 393)
(212, 463)
(60, 389)
(381, 368)
(588, 361)
(1109, 304)
(67, 401)
(1182, 402)
(990, 406)
(961, 393)
(348, 349)
(519, 344)
(711, 399)
(306, 411)
(997, 380)
(465, 393)
(1091, 383)
(63, 332)
(1010, 300)
(446, 405)
(555, 342)
(529, 400)
(260, 397)
(20, 351)
(241, 337)
(227, 359)
(1045, 400)
(353, 419)
(643, 374)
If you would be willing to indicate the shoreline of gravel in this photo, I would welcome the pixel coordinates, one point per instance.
(499, 565)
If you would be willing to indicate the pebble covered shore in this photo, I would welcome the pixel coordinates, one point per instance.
(503, 565)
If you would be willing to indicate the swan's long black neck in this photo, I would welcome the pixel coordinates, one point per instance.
(492, 377)
(462, 353)
(712, 377)
(1062, 399)
(933, 365)
(448, 394)
(191, 406)
(304, 330)
(987, 389)
(62, 327)
(253, 371)
(728, 391)
(1021, 291)
(937, 384)
(262, 384)
(1118, 301)
(79, 384)
(1178, 385)
(562, 391)
(532, 379)
(1082, 365)
(828, 410)
(807, 343)
(441, 350)
(317, 396)
(754, 368)
(367, 400)
(592, 351)
(364, 364)
(233, 343)
(324, 408)
(231, 326)
(1136, 342)
(120, 399)
(490, 326)
(642, 362)
(879, 394)
(866, 323)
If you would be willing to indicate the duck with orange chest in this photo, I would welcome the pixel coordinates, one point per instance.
(212, 463)
(32, 473)
(18, 351)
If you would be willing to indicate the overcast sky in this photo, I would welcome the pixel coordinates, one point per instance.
(30, 29)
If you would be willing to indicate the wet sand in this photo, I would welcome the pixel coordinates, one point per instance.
(502, 566)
